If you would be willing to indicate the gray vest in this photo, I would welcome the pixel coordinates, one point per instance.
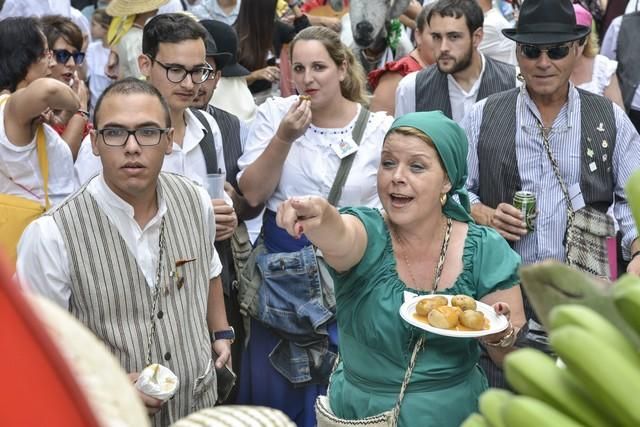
(432, 88)
(110, 296)
(628, 57)
(499, 177)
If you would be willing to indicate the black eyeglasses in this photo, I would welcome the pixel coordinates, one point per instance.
(177, 73)
(145, 137)
(63, 55)
(530, 51)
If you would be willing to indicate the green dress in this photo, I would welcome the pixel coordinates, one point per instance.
(376, 344)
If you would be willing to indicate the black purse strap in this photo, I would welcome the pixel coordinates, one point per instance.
(345, 165)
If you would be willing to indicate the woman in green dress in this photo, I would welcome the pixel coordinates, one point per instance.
(382, 259)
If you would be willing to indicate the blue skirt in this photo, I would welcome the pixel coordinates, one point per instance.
(261, 384)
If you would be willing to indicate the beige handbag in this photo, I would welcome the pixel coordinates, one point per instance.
(326, 418)
(587, 230)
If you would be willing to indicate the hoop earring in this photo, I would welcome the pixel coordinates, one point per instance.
(443, 199)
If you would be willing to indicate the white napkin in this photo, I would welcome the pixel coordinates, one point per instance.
(158, 381)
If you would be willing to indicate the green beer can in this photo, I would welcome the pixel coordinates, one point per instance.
(525, 202)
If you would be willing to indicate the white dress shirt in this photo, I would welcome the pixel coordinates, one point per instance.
(20, 168)
(609, 49)
(461, 100)
(35, 8)
(494, 44)
(43, 260)
(632, 6)
(210, 9)
(97, 58)
(311, 165)
(186, 160)
(233, 95)
(172, 6)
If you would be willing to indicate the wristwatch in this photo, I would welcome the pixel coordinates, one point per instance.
(225, 334)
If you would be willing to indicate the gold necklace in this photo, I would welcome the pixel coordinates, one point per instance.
(443, 254)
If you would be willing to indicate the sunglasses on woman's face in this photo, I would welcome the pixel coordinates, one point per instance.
(63, 55)
(559, 51)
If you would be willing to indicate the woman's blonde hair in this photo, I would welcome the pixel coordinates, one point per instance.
(353, 85)
(592, 47)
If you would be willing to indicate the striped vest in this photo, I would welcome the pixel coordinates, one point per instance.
(432, 87)
(499, 178)
(110, 296)
(628, 58)
(231, 144)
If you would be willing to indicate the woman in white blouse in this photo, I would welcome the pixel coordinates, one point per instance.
(295, 148)
(26, 180)
(594, 72)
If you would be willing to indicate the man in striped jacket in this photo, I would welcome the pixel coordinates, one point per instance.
(572, 149)
(132, 255)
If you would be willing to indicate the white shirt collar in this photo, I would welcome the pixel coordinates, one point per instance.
(106, 197)
(193, 133)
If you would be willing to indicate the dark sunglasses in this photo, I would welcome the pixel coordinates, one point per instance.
(553, 52)
(63, 55)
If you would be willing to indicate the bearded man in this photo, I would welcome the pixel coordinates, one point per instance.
(461, 75)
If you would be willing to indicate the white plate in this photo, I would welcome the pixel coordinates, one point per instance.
(497, 322)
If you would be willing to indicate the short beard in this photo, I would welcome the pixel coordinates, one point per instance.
(200, 105)
(459, 65)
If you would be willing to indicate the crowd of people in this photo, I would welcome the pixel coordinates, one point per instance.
(346, 193)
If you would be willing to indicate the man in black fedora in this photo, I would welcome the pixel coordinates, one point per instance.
(573, 150)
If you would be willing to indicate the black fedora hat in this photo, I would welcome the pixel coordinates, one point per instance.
(227, 42)
(543, 22)
(221, 58)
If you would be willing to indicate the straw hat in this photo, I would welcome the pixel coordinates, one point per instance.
(236, 416)
(133, 7)
(109, 391)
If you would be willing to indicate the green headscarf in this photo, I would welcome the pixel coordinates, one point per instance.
(452, 146)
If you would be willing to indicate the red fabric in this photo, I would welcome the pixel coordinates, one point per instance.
(61, 128)
(312, 4)
(38, 388)
(404, 66)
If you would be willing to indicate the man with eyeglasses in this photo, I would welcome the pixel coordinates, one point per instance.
(572, 149)
(461, 75)
(174, 62)
(132, 255)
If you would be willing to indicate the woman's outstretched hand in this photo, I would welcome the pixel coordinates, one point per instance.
(295, 122)
(298, 214)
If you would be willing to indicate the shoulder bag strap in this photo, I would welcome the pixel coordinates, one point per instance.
(207, 144)
(41, 148)
(345, 165)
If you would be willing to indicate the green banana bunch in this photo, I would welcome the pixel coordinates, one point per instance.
(598, 386)
(632, 191)
(535, 374)
(608, 376)
(595, 330)
(591, 321)
(626, 297)
(523, 411)
(475, 420)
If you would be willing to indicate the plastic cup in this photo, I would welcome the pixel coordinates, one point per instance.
(215, 185)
